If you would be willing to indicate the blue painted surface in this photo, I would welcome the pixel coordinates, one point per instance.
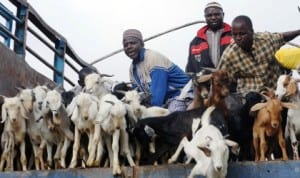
(7, 15)
(59, 62)
(20, 31)
(274, 169)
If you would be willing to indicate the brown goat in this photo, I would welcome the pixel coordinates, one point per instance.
(267, 124)
(200, 89)
(219, 90)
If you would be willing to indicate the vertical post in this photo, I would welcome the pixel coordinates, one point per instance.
(59, 62)
(20, 32)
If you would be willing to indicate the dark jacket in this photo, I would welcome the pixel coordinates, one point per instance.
(199, 49)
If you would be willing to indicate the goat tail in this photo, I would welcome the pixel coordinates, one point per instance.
(205, 119)
(185, 90)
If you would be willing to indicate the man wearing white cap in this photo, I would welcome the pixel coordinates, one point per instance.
(154, 74)
(211, 40)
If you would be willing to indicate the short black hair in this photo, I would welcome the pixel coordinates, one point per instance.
(245, 19)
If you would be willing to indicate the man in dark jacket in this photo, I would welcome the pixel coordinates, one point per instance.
(211, 40)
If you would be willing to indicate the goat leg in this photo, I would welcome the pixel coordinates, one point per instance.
(115, 150)
(174, 157)
(125, 147)
(76, 146)
(282, 144)
(23, 155)
(294, 142)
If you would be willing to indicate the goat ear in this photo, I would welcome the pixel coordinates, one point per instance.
(289, 105)
(235, 149)
(93, 110)
(70, 108)
(19, 89)
(106, 75)
(205, 150)
(2, 99)
(74, 113)
(23, 113)
(291, 88)
(58, 88)
(258, 106)
(4, 114)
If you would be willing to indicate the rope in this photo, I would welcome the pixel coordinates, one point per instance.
(147, 39)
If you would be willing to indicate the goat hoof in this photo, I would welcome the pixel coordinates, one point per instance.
(73, 164)
(116, 171)
(170, 161)
(89, 163)
(96, 163)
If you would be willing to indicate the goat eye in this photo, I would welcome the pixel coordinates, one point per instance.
(22, 100)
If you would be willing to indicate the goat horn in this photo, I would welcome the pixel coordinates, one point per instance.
(106, 75)
(190, 73)
(204, 78)
(297, 80)
(209, 69)
(120, 91)
(112, 103)
(18, 88)
(267, 98)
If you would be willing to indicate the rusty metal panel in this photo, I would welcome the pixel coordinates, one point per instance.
(15, 72)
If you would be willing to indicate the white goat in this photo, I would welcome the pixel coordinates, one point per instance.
(83, 111)
(95, 85)
(111, 120)
(13, 116)
(34, 124)
(287, 87)
(209, 149)
(55, 128)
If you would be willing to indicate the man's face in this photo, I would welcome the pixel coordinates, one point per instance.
(132, 47)
(242, 35)
(214, 18)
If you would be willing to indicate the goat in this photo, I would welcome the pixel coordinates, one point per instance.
(95, 85)
(111, 124)
(34, 125)
(209, 148)
(13, 117)
(219, 90)
(83, 112)
(55, 128)
(200, 89)
(268, 123)
(287, 89)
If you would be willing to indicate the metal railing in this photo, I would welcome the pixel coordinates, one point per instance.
(25, 21)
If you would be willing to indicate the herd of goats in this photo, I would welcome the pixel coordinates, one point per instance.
(101, 128)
